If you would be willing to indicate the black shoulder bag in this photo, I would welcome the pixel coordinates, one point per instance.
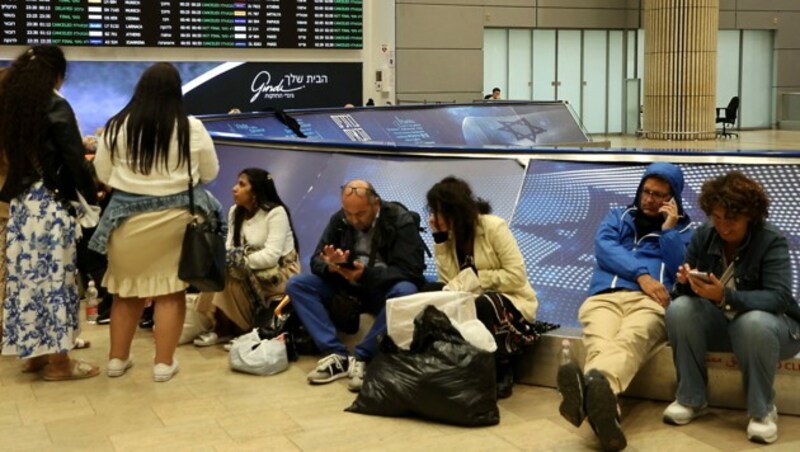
(202, 263)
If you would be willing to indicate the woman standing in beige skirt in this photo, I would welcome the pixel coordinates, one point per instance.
(262, 255)
(144, 156)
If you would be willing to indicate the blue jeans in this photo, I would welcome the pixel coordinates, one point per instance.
(311, 297)
(758, 339)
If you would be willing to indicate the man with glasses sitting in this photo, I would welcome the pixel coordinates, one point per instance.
(638, 250)
(370, 251)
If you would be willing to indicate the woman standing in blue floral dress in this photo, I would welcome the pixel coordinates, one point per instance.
(40, 140)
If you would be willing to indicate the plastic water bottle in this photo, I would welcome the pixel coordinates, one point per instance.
(91, 303)
(566, 354)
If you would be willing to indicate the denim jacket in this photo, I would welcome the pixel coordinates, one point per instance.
(762, 270)
(124, 205)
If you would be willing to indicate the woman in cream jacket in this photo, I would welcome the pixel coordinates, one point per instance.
(468, 236)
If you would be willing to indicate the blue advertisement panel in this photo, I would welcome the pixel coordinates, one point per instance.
(308, 183)
(473, 125)
(562, 204)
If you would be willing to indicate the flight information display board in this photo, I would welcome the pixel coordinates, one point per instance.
(335, 24)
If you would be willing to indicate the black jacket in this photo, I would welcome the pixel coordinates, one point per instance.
(398, 244)
(64, 167)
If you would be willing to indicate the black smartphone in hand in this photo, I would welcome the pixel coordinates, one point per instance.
(350, 265)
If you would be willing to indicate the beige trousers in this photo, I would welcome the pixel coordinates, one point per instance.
(620, 331)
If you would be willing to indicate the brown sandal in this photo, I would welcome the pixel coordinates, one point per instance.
(33, 365)
(80, 370)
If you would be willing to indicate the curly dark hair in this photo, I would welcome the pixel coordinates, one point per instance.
(262, 187)
(26, 91)
(737, 194)
(453, 200)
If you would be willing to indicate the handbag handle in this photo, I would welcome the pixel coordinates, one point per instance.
(191, 185)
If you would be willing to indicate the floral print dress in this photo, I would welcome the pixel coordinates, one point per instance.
(40, 314)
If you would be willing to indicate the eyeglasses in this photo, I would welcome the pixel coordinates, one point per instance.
(358, 191)
(655, 195)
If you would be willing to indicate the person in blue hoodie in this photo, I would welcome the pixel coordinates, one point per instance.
(638, 250)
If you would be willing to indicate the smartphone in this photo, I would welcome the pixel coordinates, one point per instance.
(348, 265)
(703, 276)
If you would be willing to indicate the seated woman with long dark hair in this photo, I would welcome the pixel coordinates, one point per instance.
(262, 255)
(468, 236)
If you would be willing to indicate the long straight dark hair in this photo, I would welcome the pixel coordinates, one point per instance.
(152, 115)
(452, 198)
(26, 91)
(262, 186)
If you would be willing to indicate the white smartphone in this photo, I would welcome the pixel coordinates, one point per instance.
(703, 276)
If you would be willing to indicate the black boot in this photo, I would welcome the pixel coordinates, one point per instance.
(601, 409)
(572, 389)
(505, 378)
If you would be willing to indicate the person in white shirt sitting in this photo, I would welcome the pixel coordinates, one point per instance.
(261, 256)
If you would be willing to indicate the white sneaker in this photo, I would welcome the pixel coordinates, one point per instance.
(764, 430)
(357, 372)
(117, 367)
(678, 414)
(165, 372)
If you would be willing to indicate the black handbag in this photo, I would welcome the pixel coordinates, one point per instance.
(202, 262)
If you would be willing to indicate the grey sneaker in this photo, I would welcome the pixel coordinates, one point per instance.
(358, 371)
(330, 368)
(678, 414)
(764, 430)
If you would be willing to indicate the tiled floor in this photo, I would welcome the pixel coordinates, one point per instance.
(208, 407)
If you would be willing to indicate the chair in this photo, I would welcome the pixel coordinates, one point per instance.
(729, 117)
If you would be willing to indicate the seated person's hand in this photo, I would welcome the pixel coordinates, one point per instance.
(352, 274)
(654, 289)
(711, 289)
(90, 143)
(234, 257)
(332, 256)
(437, 223)
(683, 273)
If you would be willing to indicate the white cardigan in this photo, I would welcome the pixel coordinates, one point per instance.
(270, 230)
(161, 181)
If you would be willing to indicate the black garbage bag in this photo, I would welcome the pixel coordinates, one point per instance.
(442, 377)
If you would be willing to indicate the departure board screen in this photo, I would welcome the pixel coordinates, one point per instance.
(335, 24)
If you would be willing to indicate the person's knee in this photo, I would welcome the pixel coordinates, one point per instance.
(756, 330)
(402, 289)
(682, 310)
(301, 284)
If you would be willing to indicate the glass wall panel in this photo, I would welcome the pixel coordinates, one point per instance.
(632, 53)
(593, 112)
(520, 68)
(727, 66)
(640, 60)
(757, 106)
(569, 68)
(544, 64)
(616, 82)
(495, 59)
